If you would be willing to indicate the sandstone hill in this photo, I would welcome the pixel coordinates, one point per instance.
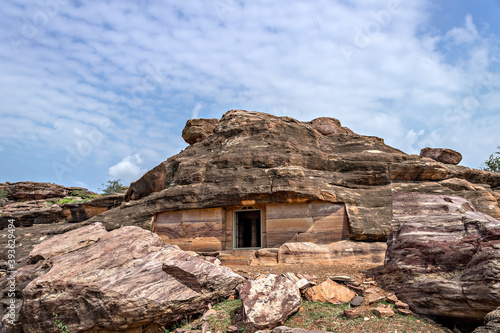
(264, 158)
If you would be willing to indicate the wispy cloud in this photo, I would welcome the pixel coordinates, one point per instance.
(135, 72)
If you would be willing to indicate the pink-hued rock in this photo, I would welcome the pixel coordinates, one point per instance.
(443, 155)
(268, 301)
(445, 256)
(67, 242)
(330, 292)
(127, 277)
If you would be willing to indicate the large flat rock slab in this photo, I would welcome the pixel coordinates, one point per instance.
(118, 280)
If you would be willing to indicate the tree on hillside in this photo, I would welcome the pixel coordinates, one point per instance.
(493, 162)
(111, 187)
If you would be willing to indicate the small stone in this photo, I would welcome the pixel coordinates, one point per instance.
(230, 298)
(373, 290)
(392, 299)
(208, 314)
(383, 312)
(402, 305)
(407, 312)
(205, 327)
(232, 329)
(303, 284)
(357, 301)
(352, 314)
(342, 278)
(373, 298)
(357, 289)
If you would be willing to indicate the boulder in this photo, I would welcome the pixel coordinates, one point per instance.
(197, 130)
(268, 301)
(491, 323)
(443, 256)
(117, 280)
(330, 292)
(443, 155)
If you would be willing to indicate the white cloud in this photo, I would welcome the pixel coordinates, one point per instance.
(143, 70)
(467, 34)
(128, 169)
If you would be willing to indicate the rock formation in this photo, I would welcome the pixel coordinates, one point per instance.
(443, 256)
(115, 281)
(260, 158)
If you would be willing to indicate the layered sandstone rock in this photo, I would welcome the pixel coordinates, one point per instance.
(268, 301)
(27, 191)
(443, 256)
(256, 158)
(116, 281)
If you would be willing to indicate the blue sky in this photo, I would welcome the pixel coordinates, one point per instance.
(98, 90)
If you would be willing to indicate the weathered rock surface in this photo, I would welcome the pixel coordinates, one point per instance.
(27, 191)
(491, 323)
(259, 158)
(197, 130)
(347, 252)
(116, 280)
(443, 256)
(268, 301)
(443, 155)
(330, 292)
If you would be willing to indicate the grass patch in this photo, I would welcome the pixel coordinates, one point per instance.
(329, 317)
(225, 313)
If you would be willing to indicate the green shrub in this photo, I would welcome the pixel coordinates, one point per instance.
(493, 162)
(112, 187)
(59, 324)
(3, 194)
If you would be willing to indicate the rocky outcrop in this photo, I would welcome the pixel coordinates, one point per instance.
(197, 130)
(443, 256)
(260, 158)
(116, 280)
(268, 301)
(28, 191)
(30, 203)
(443, 155)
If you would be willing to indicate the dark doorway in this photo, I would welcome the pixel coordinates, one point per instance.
(247, 231)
